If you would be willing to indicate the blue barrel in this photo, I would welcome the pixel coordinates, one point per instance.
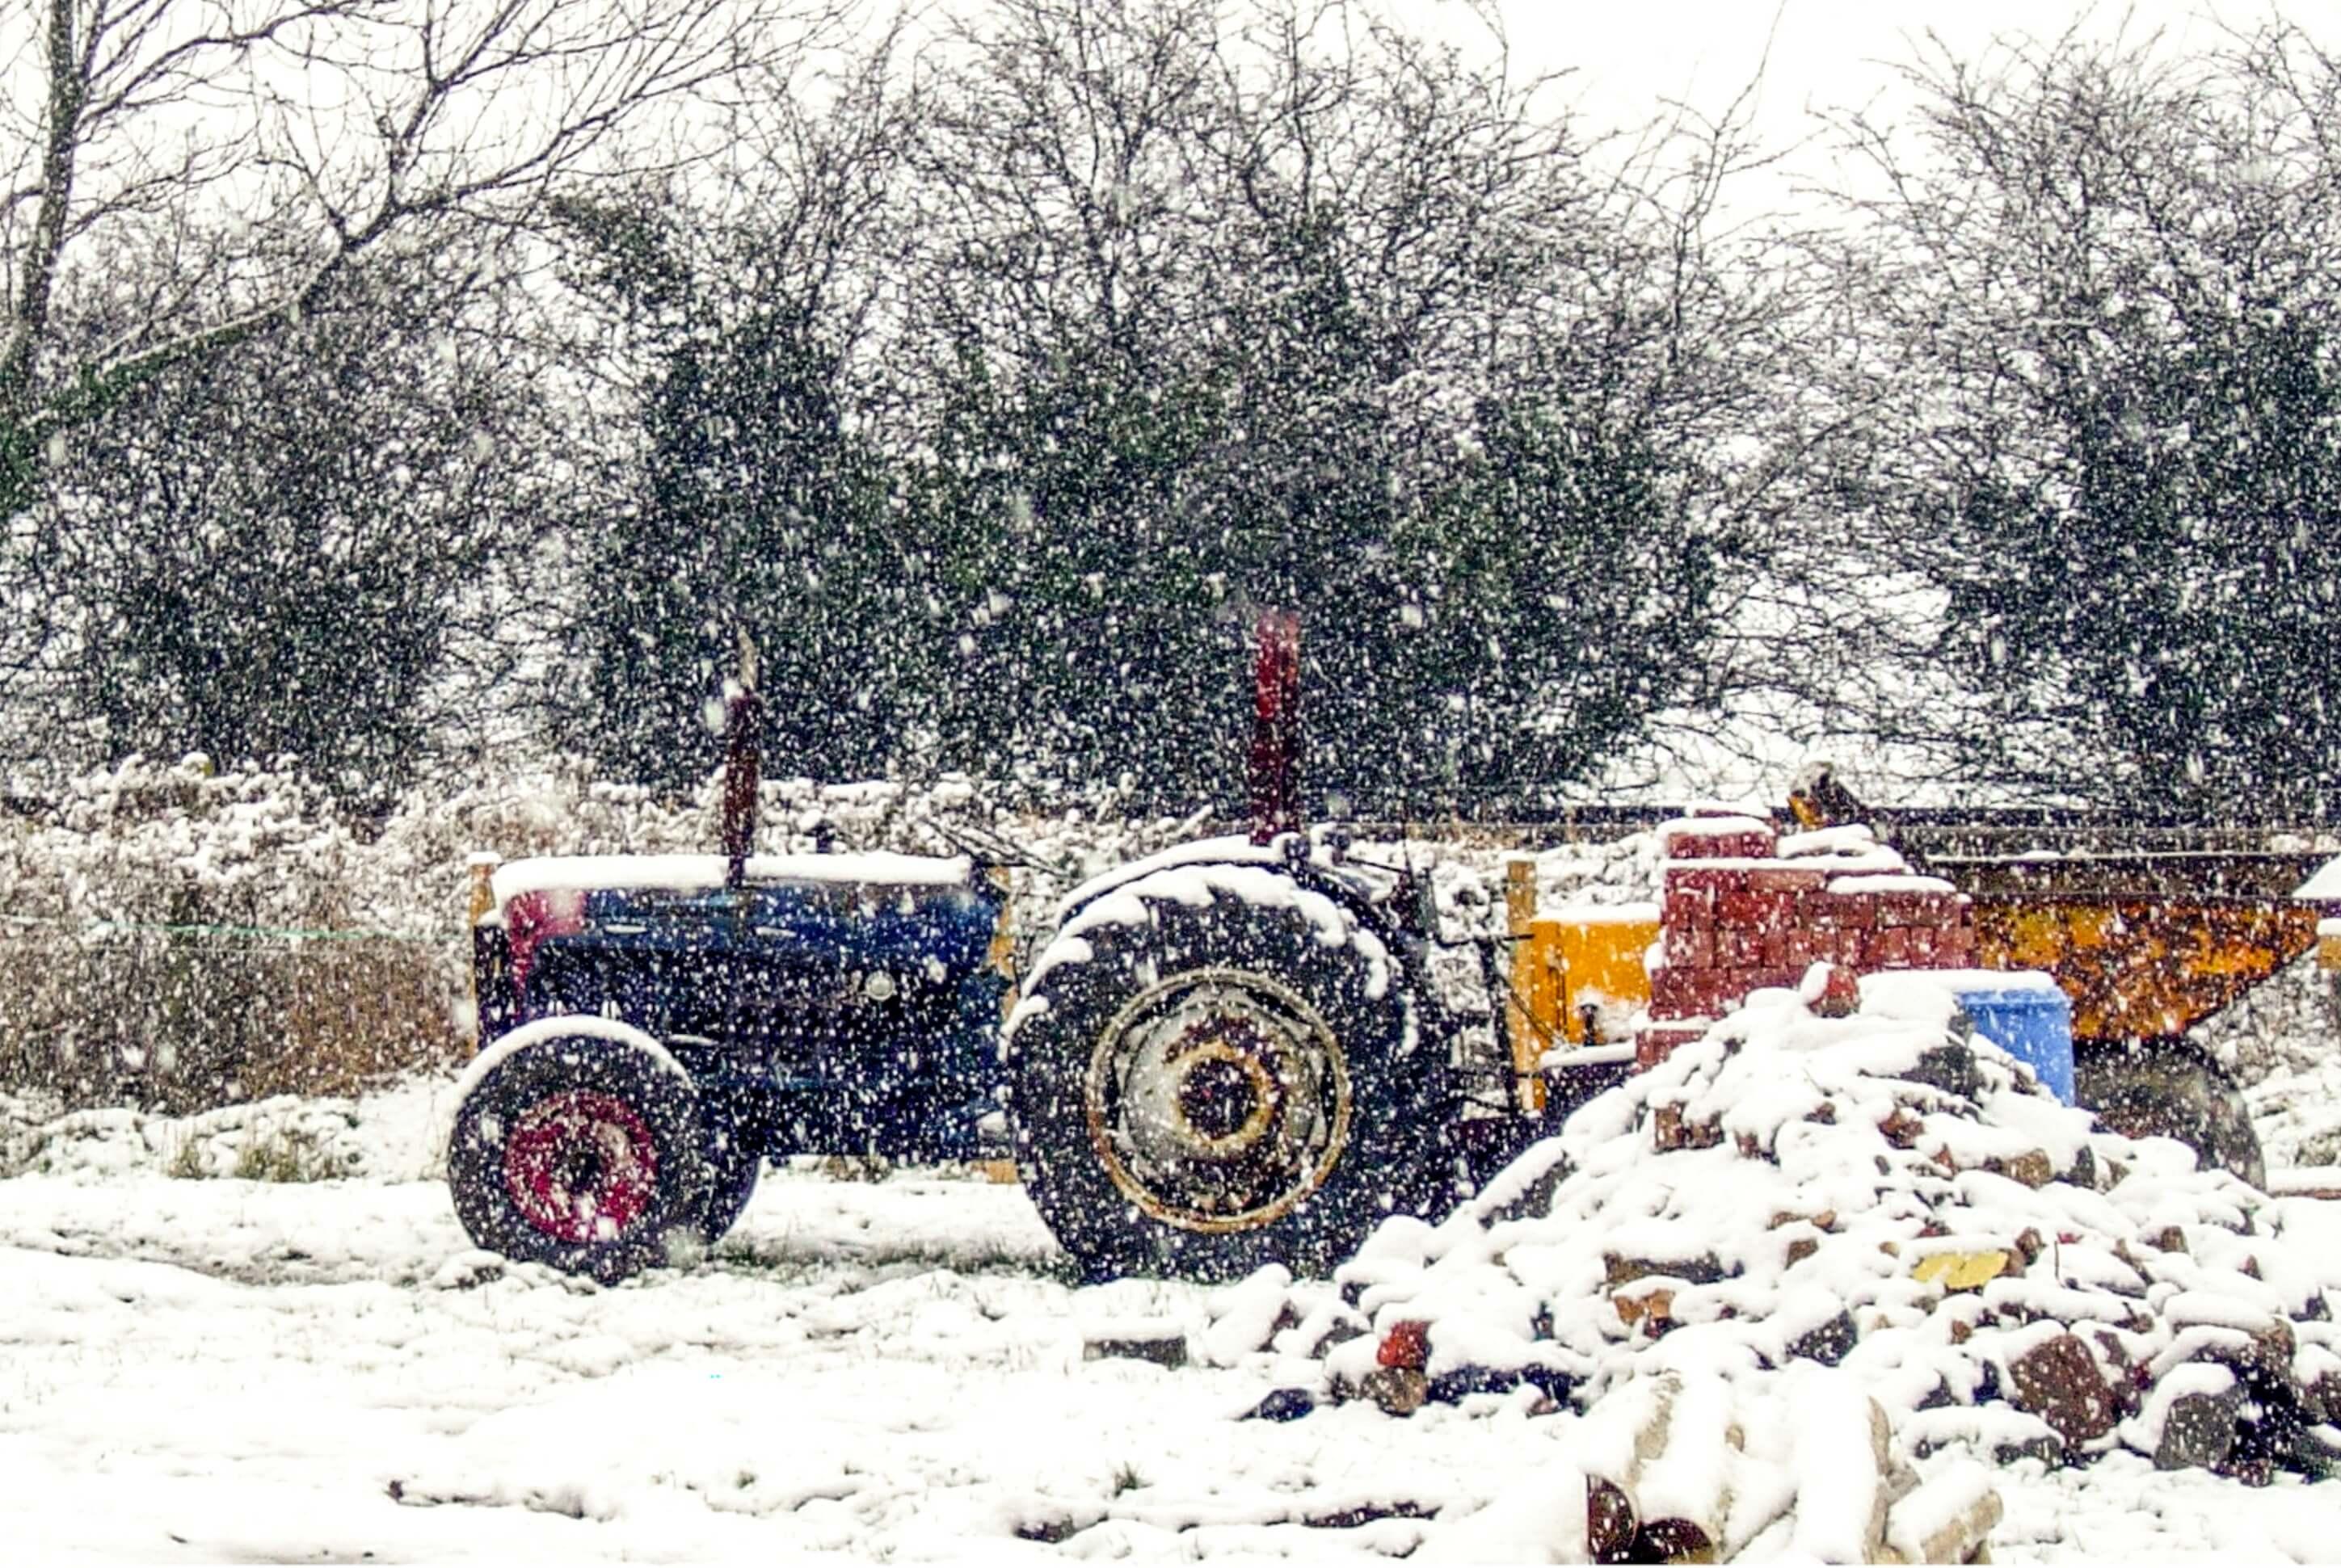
(2033, 1023)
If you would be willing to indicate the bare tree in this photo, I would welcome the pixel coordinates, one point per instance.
(2092, 327)
(1234, 302)
(263, 147)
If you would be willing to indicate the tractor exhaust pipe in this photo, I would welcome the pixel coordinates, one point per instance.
(1276, 726)
(744, 713)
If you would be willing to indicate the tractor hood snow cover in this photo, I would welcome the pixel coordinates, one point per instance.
(691, 873)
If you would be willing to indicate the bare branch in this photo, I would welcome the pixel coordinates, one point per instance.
(321, 129)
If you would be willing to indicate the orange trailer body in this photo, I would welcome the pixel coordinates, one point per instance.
(2148, 939)
(2141, 967)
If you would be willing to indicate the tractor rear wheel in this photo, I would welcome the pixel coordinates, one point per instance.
(1215, 1086)
(2169, 1089)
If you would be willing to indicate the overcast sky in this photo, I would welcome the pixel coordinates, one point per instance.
(1824, 52)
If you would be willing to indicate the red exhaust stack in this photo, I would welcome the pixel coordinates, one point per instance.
(1276, 727)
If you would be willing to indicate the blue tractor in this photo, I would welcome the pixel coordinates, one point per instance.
(654, 1028)
(1226, 1055)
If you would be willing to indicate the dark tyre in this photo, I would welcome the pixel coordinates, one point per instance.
(2168, 1088)
(582, 1152)
(732, 1171)
(1217, 1087)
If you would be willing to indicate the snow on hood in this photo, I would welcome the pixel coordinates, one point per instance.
(691, 873)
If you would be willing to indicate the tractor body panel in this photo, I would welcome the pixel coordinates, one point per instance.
(829, 1013)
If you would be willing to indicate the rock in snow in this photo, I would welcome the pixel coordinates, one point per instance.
(1766, 1277)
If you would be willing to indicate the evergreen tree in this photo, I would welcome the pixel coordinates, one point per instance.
(759, 511)
(1087, 637)
(275, 553)
(754, 495)
(1553, 600)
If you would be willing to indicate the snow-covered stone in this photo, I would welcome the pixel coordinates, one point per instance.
(1895, 1233)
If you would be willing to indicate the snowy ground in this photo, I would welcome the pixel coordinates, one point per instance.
(222, 1369)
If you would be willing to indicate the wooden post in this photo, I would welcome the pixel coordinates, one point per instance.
(482, 864)
(1002, 957)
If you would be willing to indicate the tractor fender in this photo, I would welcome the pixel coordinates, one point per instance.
(1231, 849)
(571, 1026)
(1195, 875)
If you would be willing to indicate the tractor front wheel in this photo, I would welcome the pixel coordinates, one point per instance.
(582, 1152)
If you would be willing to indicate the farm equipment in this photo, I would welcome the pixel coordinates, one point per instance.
(1239, 1051)
(2149, 930)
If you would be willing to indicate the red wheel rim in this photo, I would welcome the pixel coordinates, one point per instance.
(580, 1165)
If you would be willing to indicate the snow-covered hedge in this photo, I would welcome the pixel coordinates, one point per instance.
(178, 938)
(160, 926)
